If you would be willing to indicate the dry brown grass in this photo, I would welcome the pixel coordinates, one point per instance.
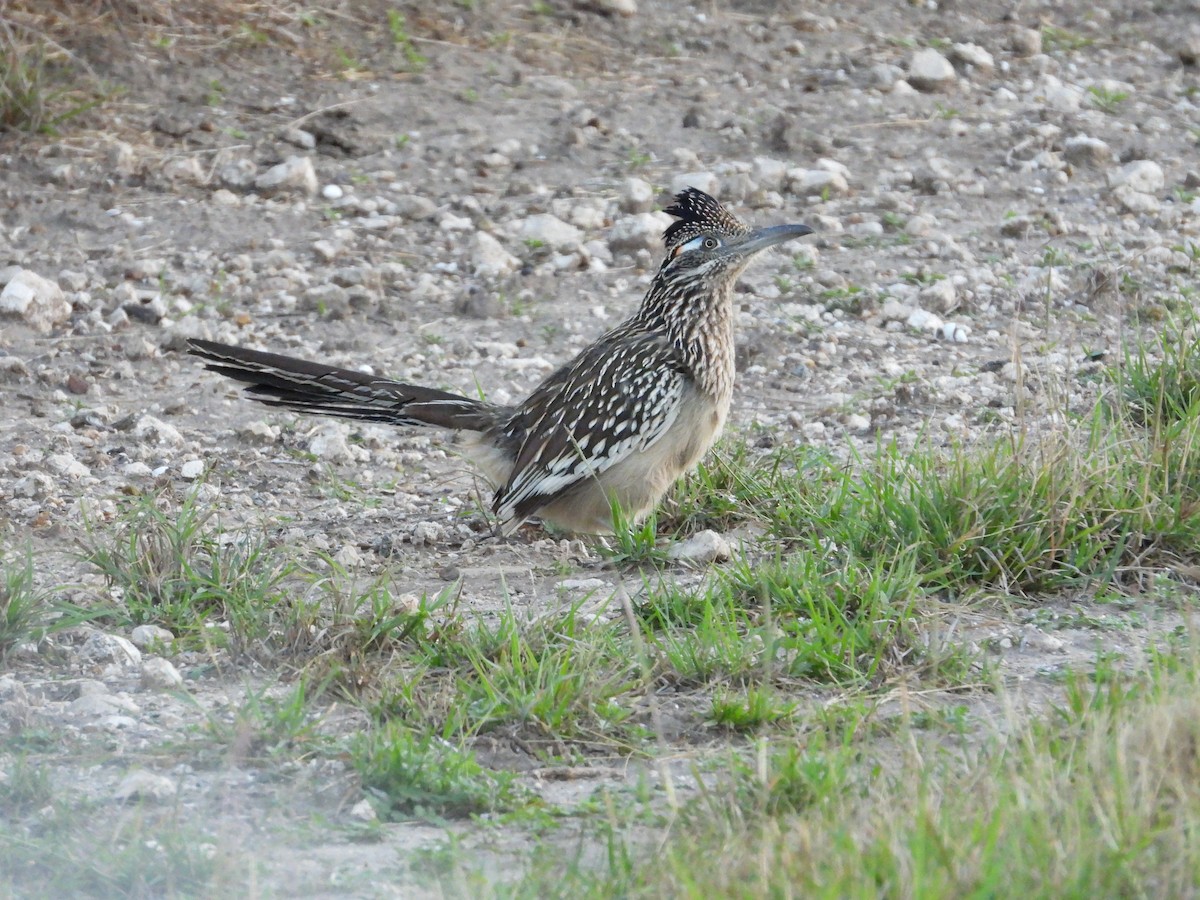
(69, 23)
(57, 56)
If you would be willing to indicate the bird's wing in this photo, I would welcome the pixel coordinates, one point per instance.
(616, 398)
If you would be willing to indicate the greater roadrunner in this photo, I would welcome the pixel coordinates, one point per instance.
(618, 424)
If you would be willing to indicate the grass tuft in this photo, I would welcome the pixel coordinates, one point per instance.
(37, 90)
(1092, 504)
(1106, 803)
(88, 851)
(172, 567)
(553, 680)
(26, 612)
(1162, 386)
(423, 776)
(756, 707)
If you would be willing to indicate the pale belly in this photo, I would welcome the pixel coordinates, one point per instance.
(637, 483)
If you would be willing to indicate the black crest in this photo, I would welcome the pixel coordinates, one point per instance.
(697, 213)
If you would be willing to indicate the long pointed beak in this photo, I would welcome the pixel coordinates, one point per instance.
(763, 238)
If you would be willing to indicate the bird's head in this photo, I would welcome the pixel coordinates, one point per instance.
(710, 242)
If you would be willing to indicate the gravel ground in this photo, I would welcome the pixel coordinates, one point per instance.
(1002, 195)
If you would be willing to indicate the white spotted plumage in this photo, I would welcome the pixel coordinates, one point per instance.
(617, 399)
(617, 424)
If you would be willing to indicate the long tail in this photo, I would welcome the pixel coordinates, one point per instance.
(315, 388)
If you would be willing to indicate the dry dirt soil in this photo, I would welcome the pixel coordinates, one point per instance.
(989, 236)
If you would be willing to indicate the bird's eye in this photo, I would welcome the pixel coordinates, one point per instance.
(698, 243)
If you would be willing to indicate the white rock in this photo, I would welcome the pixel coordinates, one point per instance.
(973, 55)
(636, 196)
(498, 349)
(919, 225)
(597, 254)
(191, 470)
(1136, 202)
(923, 320)
(13, 367)
(295, 174)
(865, 229)
(804, 182)
(832, 165)
(328, 441)
(414, 206)
(928, 71)
(298, 137)
(236, 173)
(770, 173)
(958, 334)
(378, 223)
(588, 216)
(705, 181)
(858, 423)
(615, 7)
(89, 686)
(142, 785)
(1017, 226)
(104, 649)
(97, 704)
(954, 423)
(34, 486)
(258, 434)
(450, 222)
(638, 232)
(1033, 638)
(159, 675)
(1084, 150)
(326, 250)
(894, 310)
(884, 76)
(409, 602)
(150, 636)
(71, 280)
(332, 192)
(122, 158)
(425, 533)
(701, 549)
(1025, 41)
(152, 430)
(184, 170)
(489, 259)
(1041, 283)
(1142, 175)
(68, 466)
(1058, 95)
(940, 295)
(364, 811)
(37, 300)
(222, 197)
(551, 231)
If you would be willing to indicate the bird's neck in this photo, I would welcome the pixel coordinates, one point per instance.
(698, 320)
